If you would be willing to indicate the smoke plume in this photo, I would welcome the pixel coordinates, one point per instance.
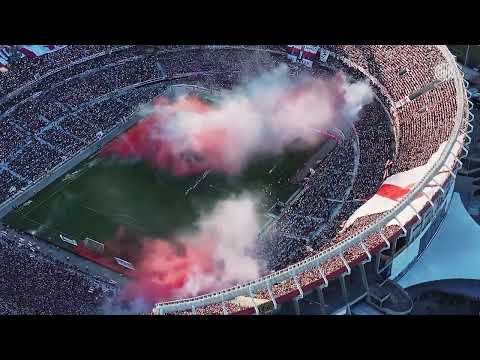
(217, 254)
(264, 116)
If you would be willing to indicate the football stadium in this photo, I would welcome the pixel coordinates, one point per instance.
(211, 180)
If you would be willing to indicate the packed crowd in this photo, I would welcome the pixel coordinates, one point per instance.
(287, 241)
(402, 69)
(64, 112)
(67, 144)
(26, 69)
(375, 141)
(35, 160)
(11, 139)
(36, 283)
(10, 185)
(40, 131)
(422, 124)
(82, 89)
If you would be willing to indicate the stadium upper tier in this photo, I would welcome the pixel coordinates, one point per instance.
(54, 107)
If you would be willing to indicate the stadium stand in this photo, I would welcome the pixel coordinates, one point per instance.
(38, 284)
(54, 106)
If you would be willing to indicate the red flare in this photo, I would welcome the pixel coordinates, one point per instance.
(165, 269)
(144, 141)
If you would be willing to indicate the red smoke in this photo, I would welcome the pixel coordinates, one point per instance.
(205, 151)
(187, 136)
(164, 269)
(214, 256)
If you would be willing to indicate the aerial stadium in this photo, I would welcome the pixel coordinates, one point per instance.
(210, 180)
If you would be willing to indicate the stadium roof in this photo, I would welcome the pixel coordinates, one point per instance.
(453, 253)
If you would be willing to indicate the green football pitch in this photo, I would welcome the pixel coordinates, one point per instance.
(101, 197)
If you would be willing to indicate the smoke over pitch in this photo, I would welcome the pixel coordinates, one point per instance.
(261, 117)
(185, 136)
(216, 255)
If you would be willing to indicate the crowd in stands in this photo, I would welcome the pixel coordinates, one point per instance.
(26, 69)
(375, 141)
(62, 140)
(72, 100)
(10, 184)
(11, 139)
(34, 282)
(82, 89)
(402, 69)
(287, 242)
(246, 62)
(422, 126)
(35, 160)
(422, 132)
(43, 130)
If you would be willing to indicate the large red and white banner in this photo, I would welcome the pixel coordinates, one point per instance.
(309, 54)
(294, 52)
(304, 54)
(396, 187)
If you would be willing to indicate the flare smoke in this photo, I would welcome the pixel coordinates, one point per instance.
(216, 255)
(264, 116)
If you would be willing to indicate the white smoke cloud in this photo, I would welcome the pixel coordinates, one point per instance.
(262, 116)
(266, 115)
(356, 95)
(233, 225)
(217, 254)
